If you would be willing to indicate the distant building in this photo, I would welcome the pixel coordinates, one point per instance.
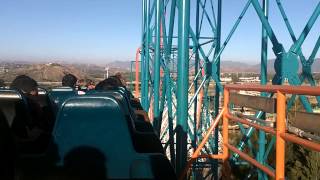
(3, 69)
(251, 93)
(249, 79)
(53, 64)
(226, 79)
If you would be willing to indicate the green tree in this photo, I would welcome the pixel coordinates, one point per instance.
(234, 77)
(301, 163)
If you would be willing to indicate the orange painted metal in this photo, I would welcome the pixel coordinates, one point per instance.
(136, 87)
(189, 163)
(151, 109)
(306, 90)
(208, 134)
(199, 104)
(199, 107)
(211, 156)
(251, 160)
(280, 132)
(257, 126)
(225, 125)
(280, 142)
(196, 154)
(295, 139)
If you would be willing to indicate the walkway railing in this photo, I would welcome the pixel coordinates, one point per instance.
(280, 131)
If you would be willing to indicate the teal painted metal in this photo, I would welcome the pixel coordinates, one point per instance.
(204, 53)
(169, 85)
(147, 58)
(73, 115)
(264, 48)
(217, 89)
(263, 80)
(284, 60)
(288, 60)
(143, 54)
(297, 45)
(314, 52)
(182, 84)
(277, 47)
(170, 121)
(195, 82)
(236, 24)
(156, 70)
(306, 64)
(269, 147)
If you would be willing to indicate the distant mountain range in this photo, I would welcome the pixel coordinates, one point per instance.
(40, 72)
(226, 66)
(55, 72)
(125, 65)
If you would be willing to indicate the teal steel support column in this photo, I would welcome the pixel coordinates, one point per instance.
(278, 50)
(171, 23)
(170, 119)
(297, 45)
(293, 37)
(314, 52)
(156, 70)
(264, 47)
(168, 84)
(196, 69)
(217, 89)
(277, 47)
(147, 58)
(234, 27)
(263, 81)
(182, 83)
(142, 64)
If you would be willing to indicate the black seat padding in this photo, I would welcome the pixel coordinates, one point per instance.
(8, 101)
(7, 149)
(15, 109)
(25, 119)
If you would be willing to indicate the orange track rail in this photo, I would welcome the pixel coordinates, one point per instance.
(280, 132)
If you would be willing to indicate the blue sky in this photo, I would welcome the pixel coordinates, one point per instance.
(105, 30)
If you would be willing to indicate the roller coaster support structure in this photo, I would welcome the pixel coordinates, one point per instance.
(182, 39)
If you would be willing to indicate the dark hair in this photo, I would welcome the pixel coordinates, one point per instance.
(25, 84)
(119, 79)
(109, 84)
(69, 80)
